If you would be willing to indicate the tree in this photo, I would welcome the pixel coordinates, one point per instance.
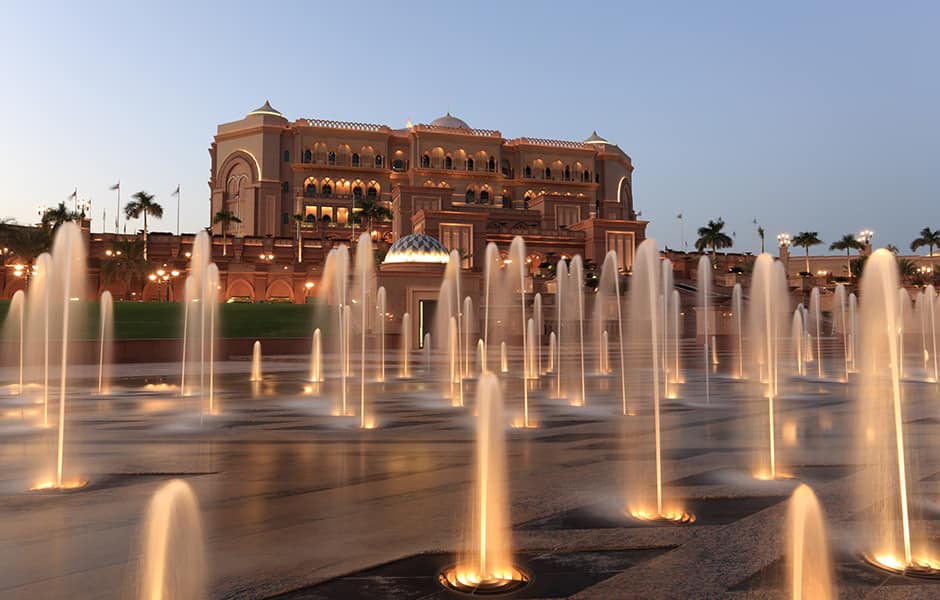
(893, 249)
(806, 240)
(126, 263)
(55, 217)
(760, 234)
(929, 238)
(24, 244)
(847, 243)
(371, 209)
(143, 204)
(712, 236)
(225, 217)
(907, 269)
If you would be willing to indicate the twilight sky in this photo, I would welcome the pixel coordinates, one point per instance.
(803, 115)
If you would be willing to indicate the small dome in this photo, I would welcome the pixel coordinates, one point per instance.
(417, 248)
(267, 109)
(451, 121)
(595, 139)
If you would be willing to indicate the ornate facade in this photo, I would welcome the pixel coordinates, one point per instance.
(464, 186)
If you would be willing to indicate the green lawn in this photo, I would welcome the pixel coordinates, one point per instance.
(153, 320)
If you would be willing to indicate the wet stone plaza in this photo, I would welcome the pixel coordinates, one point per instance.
(299, 503)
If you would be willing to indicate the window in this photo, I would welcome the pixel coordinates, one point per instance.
(621, 242)
(470, 196)
(308, 156)
(398, 165)
(469, 164)
(285, 218)
(310, 213)
(528, 171)
(285, 187)
(597, 178)
(372, 193)
(331, 158)
(425, 161)
(326, 214)
(378, 160)
(485, 196)
(460, 238)
(548, 173)
(525, 203)
(310, 189)
(326, 190)
(491, 167)
(448, 163)
(287, 156)
(567, 174)
(342, 215)
(355, 160)
(357, 192)
(567, 215)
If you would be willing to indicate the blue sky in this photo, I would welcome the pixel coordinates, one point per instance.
(803, 115)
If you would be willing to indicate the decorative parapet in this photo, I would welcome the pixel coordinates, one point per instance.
(548, 142)
(351, 125)
(459, 130)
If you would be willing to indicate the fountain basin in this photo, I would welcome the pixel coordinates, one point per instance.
(920, 567)
(465, 581)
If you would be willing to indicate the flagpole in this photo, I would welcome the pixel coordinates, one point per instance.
(178, 195)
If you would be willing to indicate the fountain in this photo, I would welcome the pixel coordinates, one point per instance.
(645, 485)
(485, 564)
(105, 342)
(64, 282)
(769, 307)
(363, 291)
(814, 328)
(894, 538)
(199, 324)
(570, 379)
(704, 302)
(173, 558)
(607, 306)
(737, 310)
(531, 364)
(455, 379)
(427, 353)
(551, 353)
(797, 336)
(381, 316)
(333, 290)
(539, 329)
(810, 566)
(404, 365)
(931, 307)
(38, 327)
(840, 325)
(503, 358)
(16, 318)
(316, 358)
(256, 361)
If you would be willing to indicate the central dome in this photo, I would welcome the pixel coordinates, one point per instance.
(417, 248)
(451, 121)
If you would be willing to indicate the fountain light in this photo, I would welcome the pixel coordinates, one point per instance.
(920, 566)
(676, 516)
(52, 486)
(468, 581)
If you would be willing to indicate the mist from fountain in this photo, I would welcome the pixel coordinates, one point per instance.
(808, 559)
(172, 556)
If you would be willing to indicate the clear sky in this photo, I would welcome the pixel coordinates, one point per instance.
(802, 115)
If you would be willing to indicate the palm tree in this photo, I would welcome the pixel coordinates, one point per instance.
(54, 217)
(143, 204)
(24, 244)
(847, 243)
(371, 210)
(126, 263)
(712, 236)
(805, 240)
(907, 269)
(929, 238)
(760, 234)
(226, 218)
(893, 249)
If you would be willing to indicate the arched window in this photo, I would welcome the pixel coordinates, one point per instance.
(331, 158)
(287, 156)
(525, 202)
(425, 161)
(326, 190)
(325, 218)
(378, 160)
(469, 164)
(355, 159)
(398, 164)
(484, 196)
(471, 196)
(308, 156)
(372, 193)
(491, 167)
(357, 192)
(567, 173)
(507, 203)
(597, 178)
(285, 187)
(310, 218)
(448, 163)
(528, 171)
(548, 173)
(310, 189)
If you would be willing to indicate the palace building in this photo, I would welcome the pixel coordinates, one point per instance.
(464, 186)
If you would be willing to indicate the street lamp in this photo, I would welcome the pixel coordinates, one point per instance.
(784, 240)
(307, 287)
(162, 278)
(267, 257)
(865, 236)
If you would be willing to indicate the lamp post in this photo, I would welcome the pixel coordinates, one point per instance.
(162, 278)
(308, 285)
(864, 238)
